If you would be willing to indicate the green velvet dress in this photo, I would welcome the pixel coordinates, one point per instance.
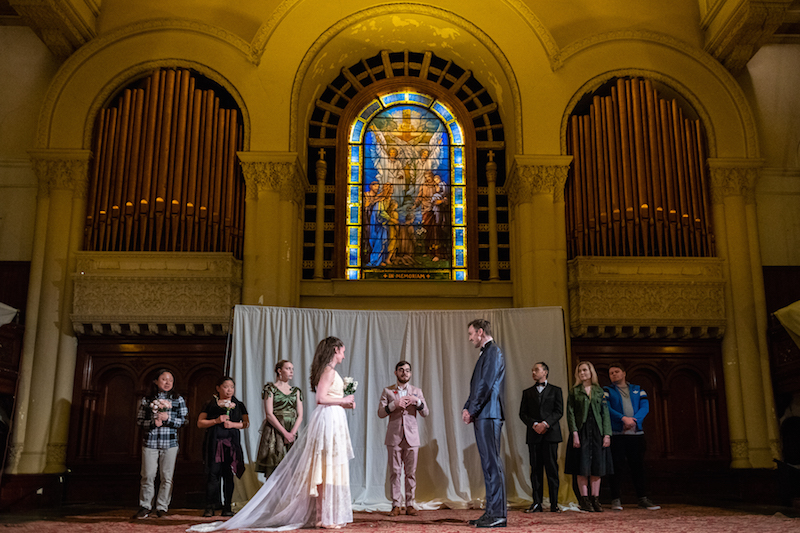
(272, 448)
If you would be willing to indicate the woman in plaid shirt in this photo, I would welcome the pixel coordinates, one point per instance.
(160, 415)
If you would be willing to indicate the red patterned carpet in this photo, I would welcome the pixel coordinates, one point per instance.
(671, 519)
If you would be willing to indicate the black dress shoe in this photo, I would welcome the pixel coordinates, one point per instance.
(534, 508)
(208, 512)
(491, 521)
(475, 522)
(555, 508)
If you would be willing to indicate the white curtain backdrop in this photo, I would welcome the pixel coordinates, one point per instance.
(442, 361)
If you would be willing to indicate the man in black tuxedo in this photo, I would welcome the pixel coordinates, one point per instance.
(484, 409)
(541, 409)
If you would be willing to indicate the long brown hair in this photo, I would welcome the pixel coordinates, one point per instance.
(323, 356)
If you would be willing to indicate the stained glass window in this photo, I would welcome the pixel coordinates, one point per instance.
(406, 196)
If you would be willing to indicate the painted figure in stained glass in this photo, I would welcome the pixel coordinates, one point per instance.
(405, 198)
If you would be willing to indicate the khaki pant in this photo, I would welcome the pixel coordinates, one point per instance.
(153, 460)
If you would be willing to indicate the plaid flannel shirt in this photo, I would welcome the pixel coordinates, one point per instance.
(165, 436)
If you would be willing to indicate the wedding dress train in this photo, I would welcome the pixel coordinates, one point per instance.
(311, 486)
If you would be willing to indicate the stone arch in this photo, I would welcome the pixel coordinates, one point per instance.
(86, 68)
(597, 81)
(700, 92)
(302, 78)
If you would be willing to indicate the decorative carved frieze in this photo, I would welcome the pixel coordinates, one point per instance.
(62, 170)
(56, 455)
(63, 28)
(646, 297)
(739, 449)
(735, 177)
(141, 293)
(736, 29)
(537, 175)
(280, 172)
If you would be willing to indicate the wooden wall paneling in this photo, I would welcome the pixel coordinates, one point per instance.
(111, 376)
(687, 428)
(14, 277)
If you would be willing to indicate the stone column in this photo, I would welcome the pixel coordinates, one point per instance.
(46, 405)
(491, 178)
(319, 234)
(731, 181)
(773, 431)
(532, 193)
(250, 252)
(275, 238)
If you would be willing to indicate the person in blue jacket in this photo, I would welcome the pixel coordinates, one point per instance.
(627, 405)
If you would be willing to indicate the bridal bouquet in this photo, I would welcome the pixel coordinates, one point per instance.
(350, 386)
(160, 405)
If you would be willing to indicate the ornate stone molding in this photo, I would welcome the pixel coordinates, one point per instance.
(56, 455)
(533, 175)
(61, 27)
(62, 170)
(278, 171)
(646, 297)
(740, 450)
(133, 293)
(734, 177)
(14, 453)
(736, 38)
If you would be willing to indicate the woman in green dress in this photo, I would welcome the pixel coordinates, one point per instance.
(283, 405)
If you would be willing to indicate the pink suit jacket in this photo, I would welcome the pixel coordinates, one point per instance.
(402, 422)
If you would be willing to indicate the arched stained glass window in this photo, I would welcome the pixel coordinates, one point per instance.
(406, 196)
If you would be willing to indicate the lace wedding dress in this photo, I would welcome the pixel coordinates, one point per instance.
(311, 486)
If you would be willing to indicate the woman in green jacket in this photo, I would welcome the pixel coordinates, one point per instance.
(589, 423)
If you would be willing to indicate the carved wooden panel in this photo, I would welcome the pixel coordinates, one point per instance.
(111, 376)
(687, 426)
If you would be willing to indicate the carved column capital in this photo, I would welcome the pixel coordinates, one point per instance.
(276, 171)
(62, 170)
(734, 177)
(533, 175)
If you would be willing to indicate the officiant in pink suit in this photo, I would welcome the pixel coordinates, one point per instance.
(402, 402)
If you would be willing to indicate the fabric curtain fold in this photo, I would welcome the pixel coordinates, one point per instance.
(442, 361)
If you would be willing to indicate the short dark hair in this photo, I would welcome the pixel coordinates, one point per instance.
(223, 379)
(616, 364)
(481, 323)
(401, 363)
(544, 365)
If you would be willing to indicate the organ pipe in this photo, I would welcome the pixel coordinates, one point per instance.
(639, 184)
(164, 175)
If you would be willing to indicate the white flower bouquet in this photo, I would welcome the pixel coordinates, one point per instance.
(160, 405)
(227, 405)
(350, 386)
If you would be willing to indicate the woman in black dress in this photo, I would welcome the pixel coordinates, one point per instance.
(589, 457)
(222, 418)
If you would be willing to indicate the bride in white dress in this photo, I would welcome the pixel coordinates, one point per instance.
(311, 486)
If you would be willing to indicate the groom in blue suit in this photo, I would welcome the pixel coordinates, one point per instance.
(484, 408)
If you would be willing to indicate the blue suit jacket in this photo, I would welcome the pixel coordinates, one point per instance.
(487, 388)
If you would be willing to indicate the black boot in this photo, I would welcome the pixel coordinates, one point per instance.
(596, 504)
(209, 511)
(585, 504)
